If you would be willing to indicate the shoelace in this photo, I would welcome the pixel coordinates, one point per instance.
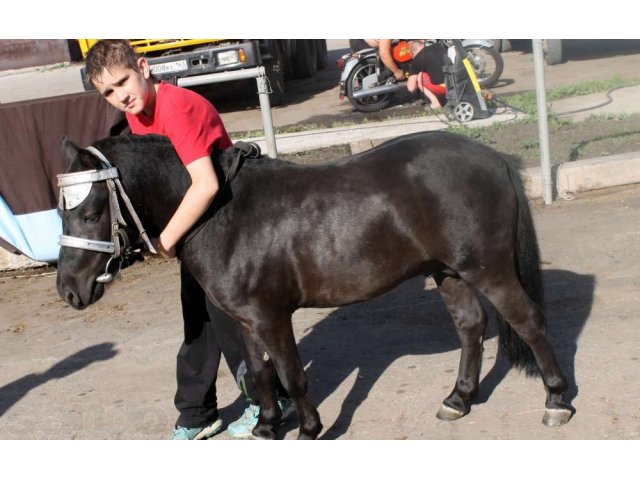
(252, 411)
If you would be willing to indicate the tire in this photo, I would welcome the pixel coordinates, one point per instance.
(464, 111)
(354, 83)
(487, 64)
(552, 50)
(305, 60)
(274, 70)
(321, 46)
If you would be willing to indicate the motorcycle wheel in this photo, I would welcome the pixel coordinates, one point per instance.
(487, 64)
(354, 83)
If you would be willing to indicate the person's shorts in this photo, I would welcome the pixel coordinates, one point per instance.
(436, 89)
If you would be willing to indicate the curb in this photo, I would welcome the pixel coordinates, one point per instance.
(586, 175)
(36, 68)
(378, 131)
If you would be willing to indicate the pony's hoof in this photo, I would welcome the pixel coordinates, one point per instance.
(263, 432)
(447, 413)
(554, 417)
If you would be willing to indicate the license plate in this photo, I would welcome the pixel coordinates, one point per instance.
(169, 67)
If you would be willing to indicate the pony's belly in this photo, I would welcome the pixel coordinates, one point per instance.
(344, 284)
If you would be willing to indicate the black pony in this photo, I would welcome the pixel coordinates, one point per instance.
(282, 236)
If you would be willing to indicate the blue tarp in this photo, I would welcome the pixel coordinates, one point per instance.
(31, 156)
(33, 234)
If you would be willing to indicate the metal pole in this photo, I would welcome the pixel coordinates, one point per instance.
(263, 95)
(265, 109)
(543, 125)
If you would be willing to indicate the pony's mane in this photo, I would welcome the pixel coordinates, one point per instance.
(138, 144)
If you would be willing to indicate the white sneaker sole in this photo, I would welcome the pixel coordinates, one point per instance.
(210, 431)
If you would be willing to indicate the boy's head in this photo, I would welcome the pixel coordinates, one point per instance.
(109, 55)
(120, 75)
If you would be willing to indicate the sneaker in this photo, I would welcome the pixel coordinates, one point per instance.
(243, 427)
(197, 433)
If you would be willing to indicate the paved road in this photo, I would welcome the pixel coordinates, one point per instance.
(316, 100)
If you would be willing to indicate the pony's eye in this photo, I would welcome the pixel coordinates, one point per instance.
(93, 218)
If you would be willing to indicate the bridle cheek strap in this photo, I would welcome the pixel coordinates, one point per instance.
(116, 206)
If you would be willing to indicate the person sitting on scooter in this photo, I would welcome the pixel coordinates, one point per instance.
(384, 49)
(425, 71)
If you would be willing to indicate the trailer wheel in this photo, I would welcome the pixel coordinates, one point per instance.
(305, 60)
(552, 50)
(322, 54)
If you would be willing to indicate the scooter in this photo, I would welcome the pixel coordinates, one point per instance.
(370, 86)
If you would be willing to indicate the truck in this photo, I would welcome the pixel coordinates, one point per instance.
(283, 59)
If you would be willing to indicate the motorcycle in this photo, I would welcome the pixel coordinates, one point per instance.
(370, 86)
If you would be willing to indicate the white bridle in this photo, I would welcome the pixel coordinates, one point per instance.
(75, 188)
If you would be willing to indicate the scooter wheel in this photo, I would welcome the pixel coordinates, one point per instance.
(464, 111)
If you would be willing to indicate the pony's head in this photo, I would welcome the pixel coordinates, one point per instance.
(95, 240)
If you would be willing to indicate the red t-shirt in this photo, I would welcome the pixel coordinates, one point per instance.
(192, 124)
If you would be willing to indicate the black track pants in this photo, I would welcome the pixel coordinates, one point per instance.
(208, 333)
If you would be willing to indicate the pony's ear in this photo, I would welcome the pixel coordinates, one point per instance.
(69, 148)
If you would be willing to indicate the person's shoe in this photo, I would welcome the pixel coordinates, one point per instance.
(197, 433)
(243, 427)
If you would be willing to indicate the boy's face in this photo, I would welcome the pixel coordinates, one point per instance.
(126, 89)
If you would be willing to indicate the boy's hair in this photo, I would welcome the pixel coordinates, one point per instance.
(108, 54)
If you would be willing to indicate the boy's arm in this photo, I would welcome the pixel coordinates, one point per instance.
(204, 186)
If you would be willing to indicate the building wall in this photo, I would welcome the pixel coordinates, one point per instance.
(24, 53)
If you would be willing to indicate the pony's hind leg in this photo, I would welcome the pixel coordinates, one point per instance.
(526, 318)
(470, 321)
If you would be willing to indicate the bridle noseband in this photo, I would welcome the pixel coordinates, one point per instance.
(119, 247)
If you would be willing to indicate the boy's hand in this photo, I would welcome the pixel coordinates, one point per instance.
(163, 252)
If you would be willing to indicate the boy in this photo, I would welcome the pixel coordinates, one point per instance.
(197, 134)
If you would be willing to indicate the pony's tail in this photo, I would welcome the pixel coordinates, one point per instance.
(516, 351)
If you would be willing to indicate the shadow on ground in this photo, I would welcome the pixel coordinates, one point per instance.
(13, 392)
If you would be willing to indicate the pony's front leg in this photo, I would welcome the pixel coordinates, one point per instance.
(276, 333)
(261, 367)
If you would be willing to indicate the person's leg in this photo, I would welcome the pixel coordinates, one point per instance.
(198, 360)
(424, 84)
